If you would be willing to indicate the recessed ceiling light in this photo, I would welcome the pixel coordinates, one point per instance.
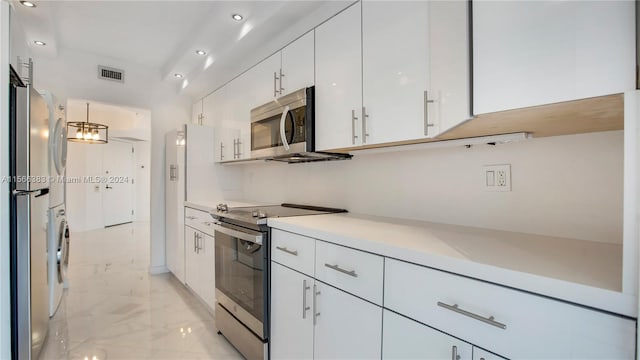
(201, 52)
(237, 17)
(28, 3)
(179, 76)
(40, 43)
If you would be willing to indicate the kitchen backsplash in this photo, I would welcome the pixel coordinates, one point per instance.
(567, 186)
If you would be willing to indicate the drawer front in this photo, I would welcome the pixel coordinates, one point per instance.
(354, 271)
(198, 219)
(523, 325)
(293, 250)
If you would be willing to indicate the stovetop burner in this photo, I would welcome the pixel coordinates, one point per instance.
(258, 215)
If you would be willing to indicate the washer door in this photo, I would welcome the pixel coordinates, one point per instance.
(63, 251)
(60, 146)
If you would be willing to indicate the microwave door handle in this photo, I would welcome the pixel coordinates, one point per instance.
(283, 135)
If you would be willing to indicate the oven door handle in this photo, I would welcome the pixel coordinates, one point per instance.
(283, 135)
(248, 235)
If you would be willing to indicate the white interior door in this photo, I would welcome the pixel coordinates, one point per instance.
(117, 183)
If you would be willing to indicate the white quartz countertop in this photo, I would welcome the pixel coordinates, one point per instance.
(583, 272)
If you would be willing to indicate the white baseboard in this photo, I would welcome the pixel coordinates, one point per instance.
(155, 270)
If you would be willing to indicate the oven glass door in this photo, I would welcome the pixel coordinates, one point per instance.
(240, 272)
(266, 133)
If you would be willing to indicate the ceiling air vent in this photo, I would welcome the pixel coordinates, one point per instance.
(108, 73)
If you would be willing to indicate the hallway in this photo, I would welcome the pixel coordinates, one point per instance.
(114, 309)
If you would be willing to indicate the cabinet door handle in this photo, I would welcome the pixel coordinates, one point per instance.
(275, 79)
(364, 125)
(235, 151)
(315, 301)
(339, 269)
(239, 143)
(427, 125)
(454, 353)
(281, 87)
(284, 249)
(490, 320)
(354, 118)
(195, 246)
(304, 298)
(221, 151)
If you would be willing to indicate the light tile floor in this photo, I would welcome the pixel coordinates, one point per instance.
(113, 308)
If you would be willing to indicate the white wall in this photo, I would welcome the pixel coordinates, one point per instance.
(5, 300)
(567, 186)
(142, 176)
(73, 74)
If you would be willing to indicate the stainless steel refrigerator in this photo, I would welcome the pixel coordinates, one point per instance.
(29, 132)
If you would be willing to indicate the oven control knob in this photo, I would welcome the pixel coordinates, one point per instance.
(222, 207)
(255, 213)
(261, 215)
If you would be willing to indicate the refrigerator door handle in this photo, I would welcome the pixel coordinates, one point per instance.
(41, 192)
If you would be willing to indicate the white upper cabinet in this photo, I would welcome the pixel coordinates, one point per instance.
(197, 112)
(264, 80)
(283, 72)
(395, 68)
(19, 47)
(449, 65)
(338, 92)
(528, 53)
(415, 68)
(298, 64)
(412, 77)
(211, 108)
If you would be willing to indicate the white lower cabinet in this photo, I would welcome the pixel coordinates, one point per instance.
(404, 338)
(332, 312)
(313, 320)
(190, 257)
(512, 323)
(347, 327)
(200, 264)
(291, 316)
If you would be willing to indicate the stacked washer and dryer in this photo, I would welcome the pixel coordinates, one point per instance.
(58, 230)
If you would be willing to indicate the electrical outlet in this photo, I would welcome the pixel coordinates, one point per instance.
(497, 177)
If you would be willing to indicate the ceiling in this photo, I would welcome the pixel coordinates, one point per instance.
(161, 35)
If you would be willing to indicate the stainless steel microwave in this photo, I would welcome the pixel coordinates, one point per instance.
(284, 126)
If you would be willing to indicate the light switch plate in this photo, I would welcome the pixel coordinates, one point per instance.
(497, 177)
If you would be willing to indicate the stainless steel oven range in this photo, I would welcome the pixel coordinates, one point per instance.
(242, 255)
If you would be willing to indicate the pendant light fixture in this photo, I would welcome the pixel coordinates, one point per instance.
(86, 132)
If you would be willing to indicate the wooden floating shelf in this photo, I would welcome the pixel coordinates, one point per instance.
(603, 113)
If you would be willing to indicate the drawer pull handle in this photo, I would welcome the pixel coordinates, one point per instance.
(284, 249)
(191, 217)
(337, 268)
(490, 320)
